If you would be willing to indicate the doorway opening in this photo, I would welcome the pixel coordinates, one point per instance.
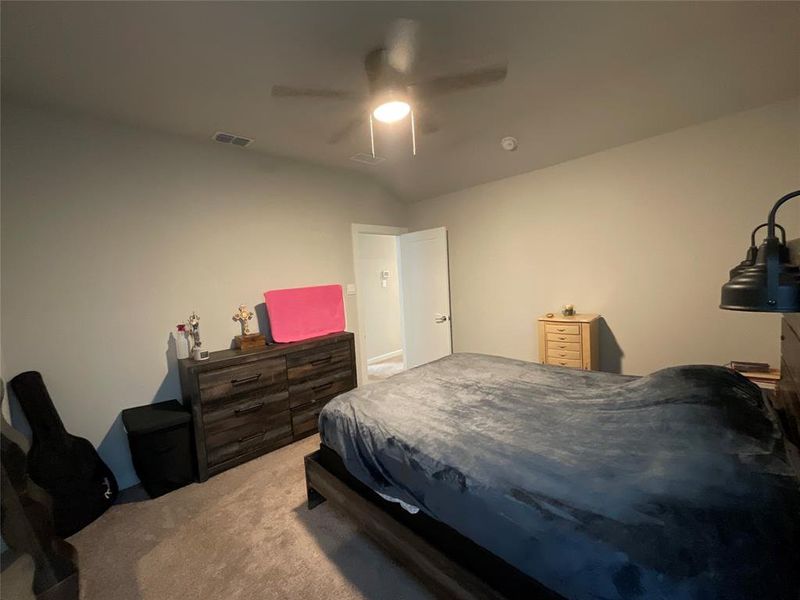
(378, 290)
(402, 298)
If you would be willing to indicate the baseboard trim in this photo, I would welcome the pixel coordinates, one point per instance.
(391, 354)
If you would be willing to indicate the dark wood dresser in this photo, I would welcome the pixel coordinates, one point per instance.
(247, 403)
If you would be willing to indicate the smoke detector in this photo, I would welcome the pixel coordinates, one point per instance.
(509, 143)
(231, 138)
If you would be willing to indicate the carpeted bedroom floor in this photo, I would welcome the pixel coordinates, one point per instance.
(379, 371)
(244, 534)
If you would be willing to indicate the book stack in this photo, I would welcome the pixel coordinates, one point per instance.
(759, 373)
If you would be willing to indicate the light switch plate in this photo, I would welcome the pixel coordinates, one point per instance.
(351, 289)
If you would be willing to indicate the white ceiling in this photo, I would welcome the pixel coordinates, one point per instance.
(583, 77)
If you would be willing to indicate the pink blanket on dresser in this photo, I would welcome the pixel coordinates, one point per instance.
(301, 313)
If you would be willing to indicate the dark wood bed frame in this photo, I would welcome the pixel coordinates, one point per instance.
(454, 566)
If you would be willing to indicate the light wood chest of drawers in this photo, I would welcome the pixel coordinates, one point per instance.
(247, 403)
(570, 341)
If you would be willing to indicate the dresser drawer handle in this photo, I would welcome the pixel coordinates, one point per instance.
(248, 409)
(251, 379)
(321, 361)
(253, 436)
(563, 364)
(323, 386)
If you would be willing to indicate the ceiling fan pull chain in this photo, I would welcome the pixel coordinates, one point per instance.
(371, 135)
(413, 135)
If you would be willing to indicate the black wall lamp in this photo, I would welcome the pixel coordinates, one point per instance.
(766, 280)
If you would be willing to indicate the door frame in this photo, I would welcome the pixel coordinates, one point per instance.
(360, 329)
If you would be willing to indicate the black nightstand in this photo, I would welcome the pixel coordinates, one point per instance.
(160, 437)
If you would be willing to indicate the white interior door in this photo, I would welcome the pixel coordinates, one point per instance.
(425, 288)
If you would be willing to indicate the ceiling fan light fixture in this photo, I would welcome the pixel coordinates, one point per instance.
(392, 111)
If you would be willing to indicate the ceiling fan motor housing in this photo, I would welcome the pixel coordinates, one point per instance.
(385, 82)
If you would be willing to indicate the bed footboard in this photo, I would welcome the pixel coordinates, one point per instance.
(447, 578)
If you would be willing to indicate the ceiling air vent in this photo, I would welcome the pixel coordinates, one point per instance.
(232, 138)
(367, 159)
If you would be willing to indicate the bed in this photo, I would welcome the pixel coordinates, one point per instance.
(494, 477)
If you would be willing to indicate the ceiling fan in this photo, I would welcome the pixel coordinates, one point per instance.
(394, 91)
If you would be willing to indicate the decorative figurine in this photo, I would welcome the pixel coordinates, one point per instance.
(197, 352)
(243, 316)
(247, 341)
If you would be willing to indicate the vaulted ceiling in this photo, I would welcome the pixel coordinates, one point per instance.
(582, 77)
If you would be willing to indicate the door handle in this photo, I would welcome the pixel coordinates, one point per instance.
(440, 319)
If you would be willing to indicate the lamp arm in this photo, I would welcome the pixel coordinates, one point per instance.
(778, 204)
(778, 225)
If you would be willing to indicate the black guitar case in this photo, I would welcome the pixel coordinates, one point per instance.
(66, 466)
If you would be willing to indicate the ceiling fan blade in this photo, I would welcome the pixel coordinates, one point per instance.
(461, 81)
(347, 130)
(427, 125)
(401, 45)
(284, 91)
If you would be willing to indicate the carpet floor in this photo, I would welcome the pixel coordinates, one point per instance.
(384, 369)
(244, 534)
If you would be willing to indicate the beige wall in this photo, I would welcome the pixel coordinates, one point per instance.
(380, 305)
(111, 236)
(643, 234)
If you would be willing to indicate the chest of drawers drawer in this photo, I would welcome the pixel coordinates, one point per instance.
(247, 407)
(238, 379)
(559, 346)
(305, 419)
(561, 328)
(318, 388)
(564, 362)
(563, 354)
(318, 362)
(230, 439)
(564, 337)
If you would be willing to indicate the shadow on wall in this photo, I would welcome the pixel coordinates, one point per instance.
(610, 351)
(114, 447)
(263, 321)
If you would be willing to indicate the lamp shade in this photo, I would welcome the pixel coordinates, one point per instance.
(749, 285)
(766, 280)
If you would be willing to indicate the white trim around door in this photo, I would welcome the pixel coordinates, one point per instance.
(356, 229)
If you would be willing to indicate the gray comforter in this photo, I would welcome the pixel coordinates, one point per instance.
(599, 486)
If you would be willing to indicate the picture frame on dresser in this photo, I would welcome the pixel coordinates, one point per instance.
(246, 403)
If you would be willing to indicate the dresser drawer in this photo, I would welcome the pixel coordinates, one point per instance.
(305, 419)
(568, 328)
(564, 362)
(319, 388)
(561, 346)
(562, 354)
(253, 406)
(238, 379)
(229, 439)
(319, 361)
(564, 337)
